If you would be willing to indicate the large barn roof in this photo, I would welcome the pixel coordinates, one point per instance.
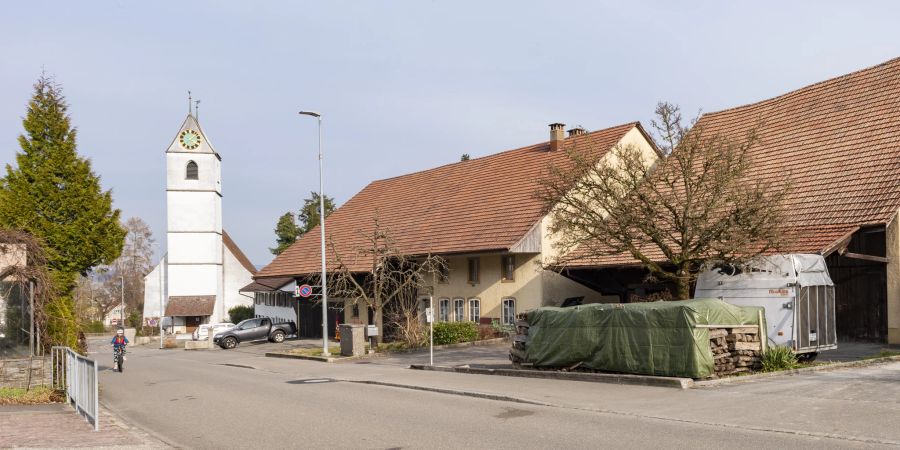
(837, 141)
(479, 205)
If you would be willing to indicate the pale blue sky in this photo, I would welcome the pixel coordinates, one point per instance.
(403, 86)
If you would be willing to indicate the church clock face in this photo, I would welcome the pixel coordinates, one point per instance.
(189, 139)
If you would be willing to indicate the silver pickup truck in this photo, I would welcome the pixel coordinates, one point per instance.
(258, 329)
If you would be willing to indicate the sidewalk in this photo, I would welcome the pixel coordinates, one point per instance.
(57, 426)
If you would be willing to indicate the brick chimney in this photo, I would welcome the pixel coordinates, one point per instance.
(577, 131)
(556, 135)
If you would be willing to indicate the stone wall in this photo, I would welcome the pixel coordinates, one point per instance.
(14, 372)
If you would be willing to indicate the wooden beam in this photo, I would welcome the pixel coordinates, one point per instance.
(880, 259)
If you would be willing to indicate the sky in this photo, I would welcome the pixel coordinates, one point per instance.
(402, 85)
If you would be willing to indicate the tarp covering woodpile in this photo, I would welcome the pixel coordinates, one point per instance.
(669, 338)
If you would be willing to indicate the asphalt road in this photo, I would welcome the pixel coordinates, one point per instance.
(233, 399)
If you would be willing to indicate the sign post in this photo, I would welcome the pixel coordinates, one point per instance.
(429, 316)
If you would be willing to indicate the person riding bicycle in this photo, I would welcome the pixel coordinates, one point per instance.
(119, 341)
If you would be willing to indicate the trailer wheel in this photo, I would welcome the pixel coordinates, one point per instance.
(807, 357)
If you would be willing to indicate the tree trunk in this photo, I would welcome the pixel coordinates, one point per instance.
(683, 285)
(379, 321)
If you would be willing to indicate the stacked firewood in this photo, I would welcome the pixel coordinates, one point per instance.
(735, 350)
(517, 351)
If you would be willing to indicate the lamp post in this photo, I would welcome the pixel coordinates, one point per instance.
(122, 311)
(322, 234)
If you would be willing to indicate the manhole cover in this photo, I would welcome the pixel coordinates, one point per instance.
(312, 381)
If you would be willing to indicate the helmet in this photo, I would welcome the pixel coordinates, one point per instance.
(120, 331)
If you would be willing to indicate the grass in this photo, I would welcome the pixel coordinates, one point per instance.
(884, 354)
(335, 350)
(779, 358)
(38, 395)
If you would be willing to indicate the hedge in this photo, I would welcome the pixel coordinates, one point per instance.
(454, 332)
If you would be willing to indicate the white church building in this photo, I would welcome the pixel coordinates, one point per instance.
(199, 278)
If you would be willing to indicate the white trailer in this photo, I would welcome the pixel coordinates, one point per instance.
(795, 290)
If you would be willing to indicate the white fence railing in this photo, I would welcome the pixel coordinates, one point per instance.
(77, 375)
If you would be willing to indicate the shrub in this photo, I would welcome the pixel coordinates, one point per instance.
(94, 327)
(454, 332)
(135, 319)
(778, 358)
(239, 313)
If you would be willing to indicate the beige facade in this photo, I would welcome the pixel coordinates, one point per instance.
(892, 244)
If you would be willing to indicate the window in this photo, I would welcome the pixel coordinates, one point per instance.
(509, 311)
(475, 310)
(474, 268)
(459, 310)
(191, 173)
(444, 310)
(508, 267)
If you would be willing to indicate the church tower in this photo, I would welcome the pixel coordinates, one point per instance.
(195, 258)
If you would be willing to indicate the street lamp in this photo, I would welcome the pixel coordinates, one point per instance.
(322, 234)
(122, 311)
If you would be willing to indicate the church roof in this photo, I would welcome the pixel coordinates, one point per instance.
(205, 146)
(190, 305)
(238, 254)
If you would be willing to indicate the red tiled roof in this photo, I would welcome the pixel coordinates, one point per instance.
(479, 205)
(190, 305)
(839, 140)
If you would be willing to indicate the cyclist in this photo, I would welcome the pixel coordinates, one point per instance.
(119, 341)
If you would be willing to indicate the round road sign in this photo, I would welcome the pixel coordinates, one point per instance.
(304, 290)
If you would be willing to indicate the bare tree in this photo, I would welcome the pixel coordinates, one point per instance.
(105, 283)
(673, 213)
(393, 281)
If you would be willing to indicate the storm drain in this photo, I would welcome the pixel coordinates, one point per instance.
(312, 381)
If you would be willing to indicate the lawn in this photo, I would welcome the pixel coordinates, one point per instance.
(18, 396)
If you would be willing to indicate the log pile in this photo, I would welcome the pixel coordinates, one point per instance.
(735, 350)
(517, 351)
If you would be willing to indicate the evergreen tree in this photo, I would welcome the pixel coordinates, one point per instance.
(286, 233)
(309, 213)
(54, 195)
(288, 230)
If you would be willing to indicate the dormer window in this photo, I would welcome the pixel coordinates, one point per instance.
(191, 171)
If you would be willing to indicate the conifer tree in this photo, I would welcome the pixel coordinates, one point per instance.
(53, 194)
(286, 232)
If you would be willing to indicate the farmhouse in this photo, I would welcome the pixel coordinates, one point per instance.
(481, 215)
(837, 143)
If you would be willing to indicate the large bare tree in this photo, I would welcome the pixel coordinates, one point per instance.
(691, 204)
(392, 282)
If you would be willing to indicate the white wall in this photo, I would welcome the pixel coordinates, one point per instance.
(236, 277)
(195, 248)
(207, 171)
(280, 312)
(193, 279)
(193, 211)
(154, 291)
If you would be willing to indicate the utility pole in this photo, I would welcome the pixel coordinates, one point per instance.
(122, 311)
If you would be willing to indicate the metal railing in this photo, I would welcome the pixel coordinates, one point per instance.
(77, 375)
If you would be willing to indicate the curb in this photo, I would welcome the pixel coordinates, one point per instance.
(639, 380)
(384, 354)
(786, 373)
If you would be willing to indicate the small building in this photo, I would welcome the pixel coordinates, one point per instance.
(15, 308)
(199, 278)
(481, 215)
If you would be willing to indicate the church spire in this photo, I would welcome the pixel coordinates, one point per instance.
(189, 102)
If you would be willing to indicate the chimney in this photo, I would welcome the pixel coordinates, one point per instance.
(556, 135)
(577, 131)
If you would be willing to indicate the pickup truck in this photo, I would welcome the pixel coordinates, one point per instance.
(254, 330)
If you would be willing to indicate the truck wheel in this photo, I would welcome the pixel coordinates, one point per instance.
(278, 337)
(229, 343)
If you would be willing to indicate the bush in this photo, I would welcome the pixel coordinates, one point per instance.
(135, 320)
(94, 327)
(239, 313)
(454, 332)
(779, 358)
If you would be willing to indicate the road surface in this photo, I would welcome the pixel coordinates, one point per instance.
(229, 399)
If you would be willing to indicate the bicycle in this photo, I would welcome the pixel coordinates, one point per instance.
(119, 358)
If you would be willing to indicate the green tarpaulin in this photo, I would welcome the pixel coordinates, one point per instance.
(659, 338)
